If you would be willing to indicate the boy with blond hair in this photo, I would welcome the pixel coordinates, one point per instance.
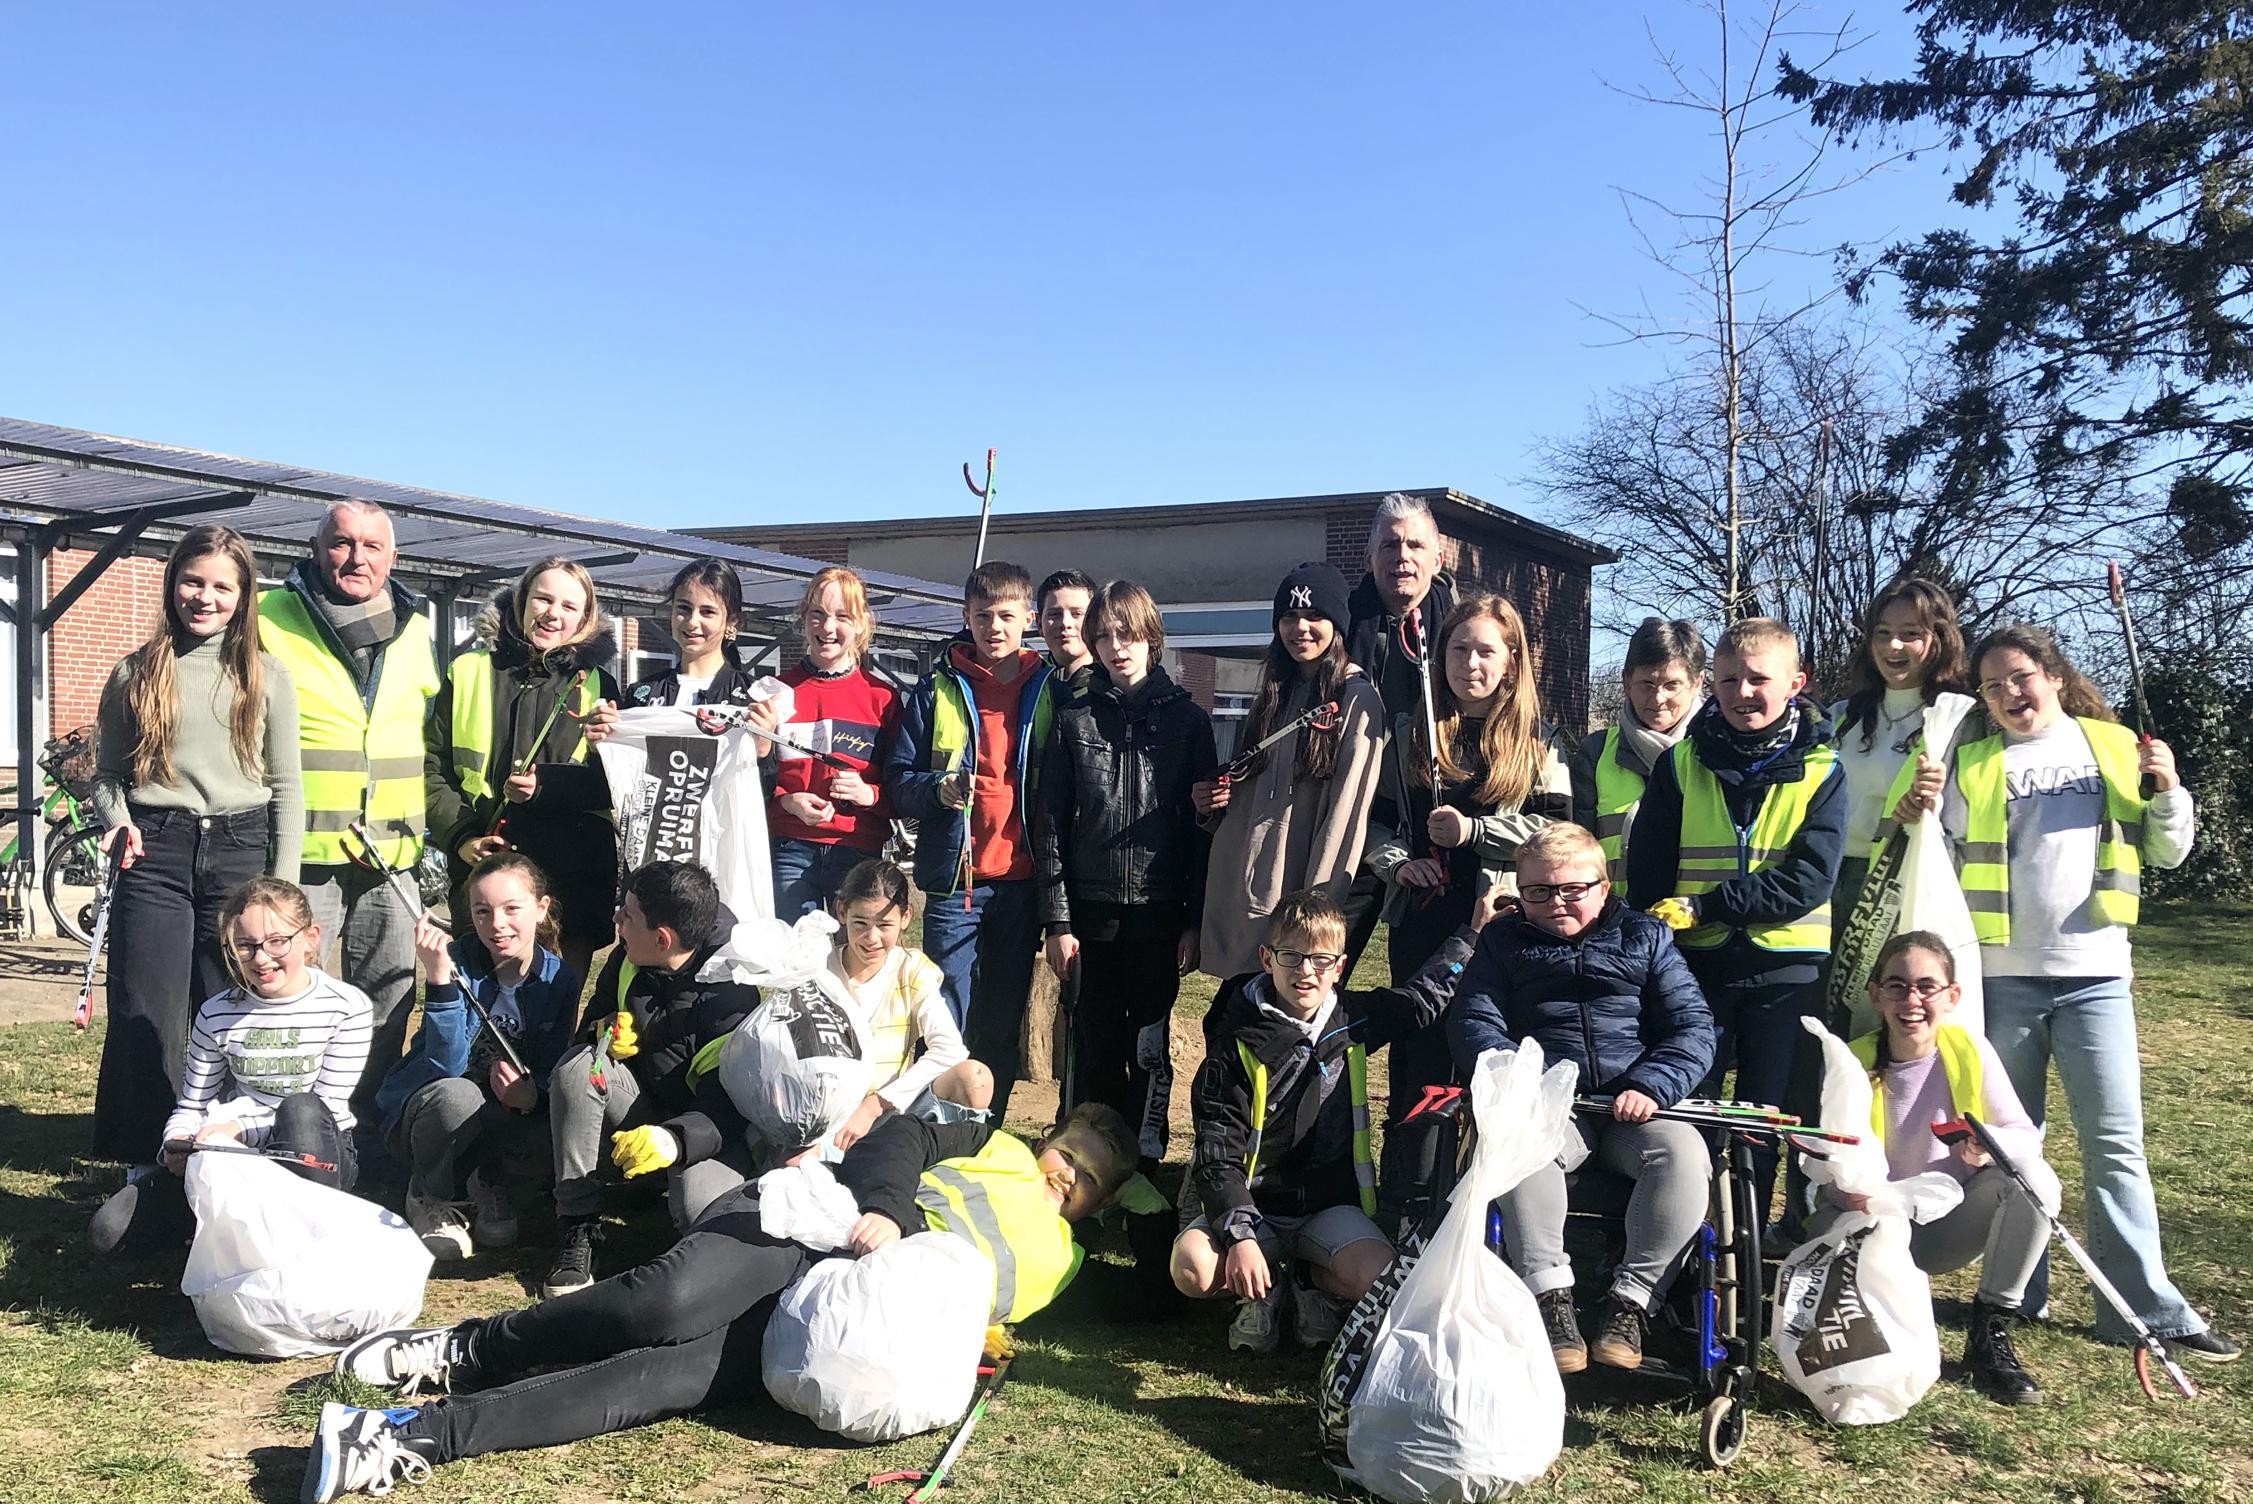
(1737, 846)
(1281, 1197)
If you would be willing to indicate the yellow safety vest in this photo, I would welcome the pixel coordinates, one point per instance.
(361, 761)
(1985, 850)
(998, 1199)
(471, 676)
(1959, 1057)
(1713, 850)
(1357, 1085)
(1619, 789)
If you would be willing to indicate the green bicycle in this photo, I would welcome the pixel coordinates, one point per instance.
(73, 871)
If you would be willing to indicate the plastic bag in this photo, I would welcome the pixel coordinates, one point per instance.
(1853, 1325)
(797, 1066)
(684, 795)
(284, 1268)
(805, 1204)
(1911, 886)
(1459, 1398)
(882, 1347)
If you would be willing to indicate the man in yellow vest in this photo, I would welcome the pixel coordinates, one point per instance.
(1737, 845)
(683, 1331)
(358, 647)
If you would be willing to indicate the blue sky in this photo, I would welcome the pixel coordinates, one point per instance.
(704, 265)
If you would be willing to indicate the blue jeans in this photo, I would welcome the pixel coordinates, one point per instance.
(807, 874)
(986, 958)
(2088, 1026)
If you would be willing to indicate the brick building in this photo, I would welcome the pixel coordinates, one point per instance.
(1213, 567)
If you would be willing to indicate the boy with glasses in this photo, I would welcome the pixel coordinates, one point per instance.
(1601, 985)
(1281, 1196)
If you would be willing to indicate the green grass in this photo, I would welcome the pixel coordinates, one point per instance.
(111, 1392)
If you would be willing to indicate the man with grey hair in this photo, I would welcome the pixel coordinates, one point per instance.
(359, 649)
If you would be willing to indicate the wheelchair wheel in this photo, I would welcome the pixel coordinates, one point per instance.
(1722, 1434)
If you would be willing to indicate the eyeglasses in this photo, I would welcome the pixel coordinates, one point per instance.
(1895, 992)
(276, 946)
(2016, 684)
(1320, 960)
(1568, 892)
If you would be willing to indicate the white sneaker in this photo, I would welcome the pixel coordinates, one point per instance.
(440, 1224)
(359, 1452)
(1258, 1327)
(405, 1360)
(492, 1222)
(1318, 1316)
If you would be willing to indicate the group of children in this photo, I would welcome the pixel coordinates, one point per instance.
(1654, 905)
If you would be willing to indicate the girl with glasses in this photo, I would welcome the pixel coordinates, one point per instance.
(271, 1064)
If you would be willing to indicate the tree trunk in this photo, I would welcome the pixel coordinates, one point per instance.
(1044, 1028)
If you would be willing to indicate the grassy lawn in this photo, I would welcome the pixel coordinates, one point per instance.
(112, 1393)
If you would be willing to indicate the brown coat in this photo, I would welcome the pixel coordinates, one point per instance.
(1280, 835)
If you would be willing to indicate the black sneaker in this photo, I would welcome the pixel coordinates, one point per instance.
(1620, 1343)
(1565, 1343)
(574, 1265)
(1993, 1360)
(2208, 1346)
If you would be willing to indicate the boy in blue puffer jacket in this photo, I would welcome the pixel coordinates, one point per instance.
(1601, 985)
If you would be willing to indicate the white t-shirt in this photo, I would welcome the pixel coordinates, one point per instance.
(1870, 770)
(687, 687)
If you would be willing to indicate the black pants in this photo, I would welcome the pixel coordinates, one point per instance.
(165, 960)
(672, 1336)
(152, 1212)
(1757, 1029)
(1127, 988)
(1411, 1172)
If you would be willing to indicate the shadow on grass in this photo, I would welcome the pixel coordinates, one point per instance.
(47, 1143)
(277, 1473)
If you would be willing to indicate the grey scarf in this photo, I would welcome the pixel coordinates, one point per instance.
(1640, 748)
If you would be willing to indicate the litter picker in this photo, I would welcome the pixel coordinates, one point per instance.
(1738, 1117)
(279, 1156)
(2150, 1348)
(1321, 717)
(928, 1484)
(113, 862)
(578, 682)
(2119, 589)
(1422, 648)
(985, 495)
(1067, 1007)
(713, 719)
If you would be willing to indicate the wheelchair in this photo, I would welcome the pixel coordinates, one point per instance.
(1713, 1321)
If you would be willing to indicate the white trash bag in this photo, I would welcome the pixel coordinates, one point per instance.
(797, 1066)
(1459, 1398)
(877, 1348)
(1932, 898)
(284, 1268)
(1853, 1325)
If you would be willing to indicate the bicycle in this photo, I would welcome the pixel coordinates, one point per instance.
(71, 858)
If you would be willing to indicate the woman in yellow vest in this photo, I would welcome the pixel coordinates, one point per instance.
(1925, 1070)
(683, 1331)
(1661, 686)
(2052, 828)
(507, 765)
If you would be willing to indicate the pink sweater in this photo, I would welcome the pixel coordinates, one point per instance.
(1916, 1097)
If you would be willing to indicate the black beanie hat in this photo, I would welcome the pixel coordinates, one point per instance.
(1317, 588)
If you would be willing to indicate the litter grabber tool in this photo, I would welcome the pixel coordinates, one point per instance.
(279, 1156)
(714, 719)
(2119, 590)
(112, 863)
(578, 682)
(985, 495)
(1067, 1008)
(370, 857)
(2150, 1348)
(927, 1484)
(1320, 717)
(1737, 1117)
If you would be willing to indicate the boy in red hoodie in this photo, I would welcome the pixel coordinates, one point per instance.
(964, 765)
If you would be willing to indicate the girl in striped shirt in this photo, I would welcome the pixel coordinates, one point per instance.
(271, 1065)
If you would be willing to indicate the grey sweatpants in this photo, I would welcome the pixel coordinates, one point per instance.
(440, 1124)
(581, 1118)
(1995, 1224)
(1672, 1170)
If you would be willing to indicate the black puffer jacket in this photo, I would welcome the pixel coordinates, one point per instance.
(1617, 1000)
(675, 1015)
(1115, 824)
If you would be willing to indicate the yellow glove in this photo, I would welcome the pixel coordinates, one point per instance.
(639, 1151)
(1676, 913)
(998, 1345)
(624, 1042)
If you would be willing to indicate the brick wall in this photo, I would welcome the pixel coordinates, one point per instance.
(107, 622)
(1197, 676)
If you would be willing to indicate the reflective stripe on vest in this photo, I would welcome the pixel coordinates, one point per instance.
(2115, 895)
(1619, 789)
(997, 1199)
(1713, 850)
(359, 764)
(1357, 1086)
(1959, 1058)
(472, 678)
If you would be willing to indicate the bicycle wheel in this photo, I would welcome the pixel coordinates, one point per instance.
(73, 879)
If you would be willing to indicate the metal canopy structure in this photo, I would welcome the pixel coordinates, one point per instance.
(66, 487)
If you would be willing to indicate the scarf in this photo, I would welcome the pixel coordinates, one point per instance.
(363, 628)
(1640, 748)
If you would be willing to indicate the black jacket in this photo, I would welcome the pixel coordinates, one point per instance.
(730, 686)
(1617, 1000)
(1373, 641)
(886, 1167)
(1802, 881)
(1115, 824)
(675, 1015)
(1306, 1144)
